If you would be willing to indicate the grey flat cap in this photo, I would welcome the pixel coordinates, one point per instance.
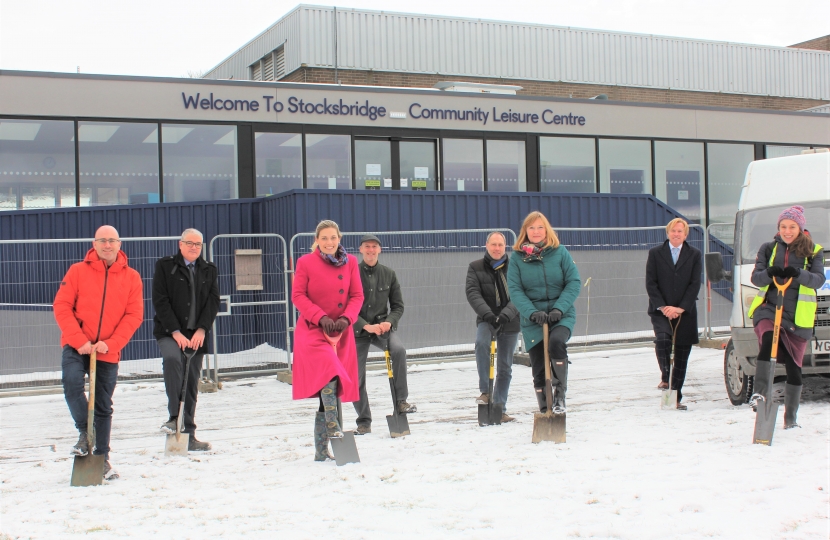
(370, 238)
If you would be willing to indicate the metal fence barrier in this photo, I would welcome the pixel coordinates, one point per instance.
(251, 331)
(30, 273)
(720, 238)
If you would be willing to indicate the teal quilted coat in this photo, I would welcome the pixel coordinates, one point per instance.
(552, 283)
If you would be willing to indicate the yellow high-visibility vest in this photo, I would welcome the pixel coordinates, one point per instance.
(805, 307)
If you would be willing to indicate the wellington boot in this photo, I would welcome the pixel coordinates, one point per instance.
(329, 396)
(541, 400)
(792, 397)
(321, 440)
(762, 383)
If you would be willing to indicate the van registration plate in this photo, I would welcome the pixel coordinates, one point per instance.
(821, 346)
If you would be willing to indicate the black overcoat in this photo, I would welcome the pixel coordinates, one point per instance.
(677, 285)
(481, 294)
(171, 296)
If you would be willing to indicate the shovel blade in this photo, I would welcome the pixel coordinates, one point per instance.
(87, 470)
(490, 415)
(668, 400)
(765, 423)
(345, 449)
(176, 447)
(548, 427)
(398, 425)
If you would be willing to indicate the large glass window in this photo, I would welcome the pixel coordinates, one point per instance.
(679, 169)
(463, 164)
(773, 151)
(373, 164)
(506, 166)
(279, 162)
(329, 161)
(625, 166)
(727, 165)
(568, 165)
(119, 163)
(417, 165)
(37, 164)
(199, 162)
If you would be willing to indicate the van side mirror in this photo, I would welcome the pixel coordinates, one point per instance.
(714, 268)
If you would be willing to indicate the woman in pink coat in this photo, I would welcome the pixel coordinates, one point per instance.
(328, 294)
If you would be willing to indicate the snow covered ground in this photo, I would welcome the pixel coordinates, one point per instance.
(628, 470)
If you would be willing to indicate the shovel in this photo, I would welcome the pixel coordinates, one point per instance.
(398, 423)
(668, 400)
(177, 443)
(491, 413)
(88, 470)
(345, 449)
(767, 412)
(548, 426)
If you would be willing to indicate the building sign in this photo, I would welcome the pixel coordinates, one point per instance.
(366, 109)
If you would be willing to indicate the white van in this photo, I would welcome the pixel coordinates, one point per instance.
(771, 186)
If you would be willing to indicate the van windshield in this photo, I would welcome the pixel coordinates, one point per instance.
(759, 226)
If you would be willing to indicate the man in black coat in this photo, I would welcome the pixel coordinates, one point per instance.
(488, 296)
(186, 300)
(673, 276)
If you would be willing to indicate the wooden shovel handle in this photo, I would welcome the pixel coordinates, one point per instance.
(548, 391)
(90, 417)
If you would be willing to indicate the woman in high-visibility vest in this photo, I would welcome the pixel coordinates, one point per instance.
(792, 254)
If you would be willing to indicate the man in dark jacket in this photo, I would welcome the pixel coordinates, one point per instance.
(186, 300)
(488, 296)
(673, 274)
(376, 325)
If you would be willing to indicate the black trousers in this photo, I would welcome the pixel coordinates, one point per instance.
(173, 367)
(662, 347)
(557, 345)
(765, 353)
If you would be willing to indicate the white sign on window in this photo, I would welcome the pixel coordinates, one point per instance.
(387, 182)
(683, 195)
(373, 169)
(332, 183)
(460, 184)
(404, 182)
(421, 172)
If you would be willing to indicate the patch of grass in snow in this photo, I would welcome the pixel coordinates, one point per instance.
(99, 528)
(592, 501)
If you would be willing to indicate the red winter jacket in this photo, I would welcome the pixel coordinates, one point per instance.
(95, 303)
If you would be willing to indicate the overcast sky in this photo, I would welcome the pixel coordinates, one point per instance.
(173, 37)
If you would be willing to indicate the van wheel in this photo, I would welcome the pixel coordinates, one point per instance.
(738, 384)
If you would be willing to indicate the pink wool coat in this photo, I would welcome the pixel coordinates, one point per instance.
(322, 289)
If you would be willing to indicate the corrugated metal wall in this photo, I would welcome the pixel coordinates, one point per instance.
(170, 219)
(300, 211)
(467, 47)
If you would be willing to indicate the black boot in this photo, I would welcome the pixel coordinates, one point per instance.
(560, 386)
(195, 445)
(81, 447)
(321, 440)
(540, 398)
(329, 397)
(792, 397)
(762, 383)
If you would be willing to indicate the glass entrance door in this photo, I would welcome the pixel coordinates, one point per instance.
(373, 164)
(417, 170)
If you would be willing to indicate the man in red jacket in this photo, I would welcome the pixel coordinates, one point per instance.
(99, 306)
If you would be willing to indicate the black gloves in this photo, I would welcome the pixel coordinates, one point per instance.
(775, 271)
(341, 324)
(490, 318)
(539, 317)
(502, 320)
(554, 316)
(327, 325)
(791, 272)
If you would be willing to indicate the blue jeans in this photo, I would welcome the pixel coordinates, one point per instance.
(505, 348)
(74, 367)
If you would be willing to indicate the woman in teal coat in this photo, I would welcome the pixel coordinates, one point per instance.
(543, 282)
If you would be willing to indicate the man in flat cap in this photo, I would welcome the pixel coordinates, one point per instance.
(378, 322)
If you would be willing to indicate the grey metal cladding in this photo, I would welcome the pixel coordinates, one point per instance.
(411, 43)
